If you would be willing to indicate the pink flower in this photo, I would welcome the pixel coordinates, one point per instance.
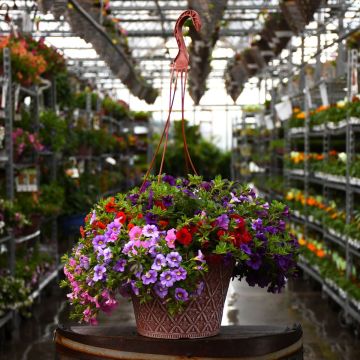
(135, 233)
(170, 238)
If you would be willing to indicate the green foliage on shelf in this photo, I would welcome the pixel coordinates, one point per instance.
(52, 131)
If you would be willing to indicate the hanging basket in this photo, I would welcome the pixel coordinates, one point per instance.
(201, 317)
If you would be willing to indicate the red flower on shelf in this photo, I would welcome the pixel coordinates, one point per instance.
(183, 236)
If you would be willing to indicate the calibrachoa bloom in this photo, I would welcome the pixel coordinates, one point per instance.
(159, 241)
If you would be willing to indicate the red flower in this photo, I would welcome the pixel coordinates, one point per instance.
(160, 204)
(183, 236)
(242, 237)
(82, 232)
(121, 216)
(87, 217)
(140, 216)
(239, 220)
(99, 224)
(193, 229)
(130, 226)
(220, 233)
(110, 206)
(163, 224)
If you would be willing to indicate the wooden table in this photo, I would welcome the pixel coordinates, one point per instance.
(233, 342)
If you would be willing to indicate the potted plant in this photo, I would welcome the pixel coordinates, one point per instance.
(172, 246)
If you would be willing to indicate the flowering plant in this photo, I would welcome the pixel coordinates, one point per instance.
(160, 239)
(27, 66)
(24, 140)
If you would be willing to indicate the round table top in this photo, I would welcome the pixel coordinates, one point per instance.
(232, 342)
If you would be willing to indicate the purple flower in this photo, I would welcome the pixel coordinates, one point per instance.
(189, 193)
(93, 217)
(134, 288)
(206, 185)
(284, 262)
(180, 273)
(185, 182)
(167, 278)
(167, 200)
(257, 225)
(254, 262)
(149, 277)
(266, 206)
(99, 272)
(151, 219)
(84, 262)
(106, 254)
(169, 179)
(145, 186)
(252, 193)
(222, 221)
(173, 259)
(234, 199)
(286, 212)
(160, 290)
(120, 265)
(133, 198)
(271, 229)
(150, 200)
(261, 236)
(159, 262)
(200, 288)
(281, 225)
(245, 248)
(200, 257)
(99, 242)
(150, 231)
(181, 294)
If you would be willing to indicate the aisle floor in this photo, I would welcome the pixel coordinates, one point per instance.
(324, 338)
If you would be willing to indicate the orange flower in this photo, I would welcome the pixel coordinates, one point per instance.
(311, 247)
(321, 108)
(319, 157)
(320, 253)
(333, 153)
(300, 116)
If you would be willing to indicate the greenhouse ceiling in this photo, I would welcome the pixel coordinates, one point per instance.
(149, 27)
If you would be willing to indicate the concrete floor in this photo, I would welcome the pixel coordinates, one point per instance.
(324, 338)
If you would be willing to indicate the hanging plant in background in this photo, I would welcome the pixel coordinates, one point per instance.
(203, 43)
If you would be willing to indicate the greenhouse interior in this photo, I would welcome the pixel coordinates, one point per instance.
(178, 179)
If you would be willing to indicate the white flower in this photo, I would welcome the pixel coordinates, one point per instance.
(342, 157)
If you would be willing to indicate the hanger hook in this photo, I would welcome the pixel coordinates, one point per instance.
(181, 61)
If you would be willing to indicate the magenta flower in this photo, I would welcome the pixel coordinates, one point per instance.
(135, 233)
(170, 238)
(181, 294)
(150, 231)
(167, 278)
(173, 259)
(180, 274)
(120, 265)
(160, 290)
(159, 262)
(149, 278)
(99, 272)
